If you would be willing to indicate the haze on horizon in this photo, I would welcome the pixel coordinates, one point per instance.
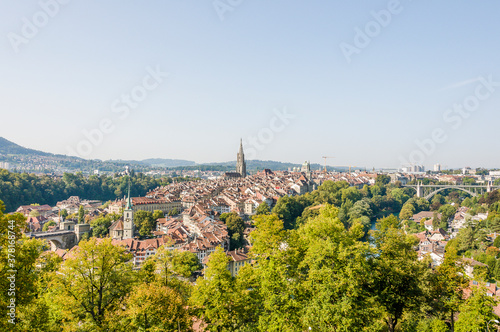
(372, 83)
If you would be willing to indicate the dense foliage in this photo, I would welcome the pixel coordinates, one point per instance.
(364, 205)
(314, 268)
(23, 189)
(235, 227)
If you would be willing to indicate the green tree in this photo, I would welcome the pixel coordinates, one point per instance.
(173, 212)
(359, 209)
(100, 225)
(37, 314)
(476, 312)
(18, 258)
(81, 215)
(224, 216)
(247, 299)
(145, 223)
(48, 224)
(335, 270)
(147, 273)
(468, 180)
(467, 202)
(309, 212)
(63, 213)
(172, 264)
(154, 307)
(385, 224)
(382, 180)
(447, 212)
(431, 325)
(157, 214)
(422, 205)
(235, 227)
(496, 270)
(263, 209)
(437, 201)
(435, 221)
(496, 242)
(376, 190)
(289, 208)
(399, 196)
(268, 236)
(407, 211)
(396, 272)
(34, 213)
(448, 284)
(279, 293)
(92, 283)
(213, 296)
(343, 214)
(465, 239)
(276, 275)
(352, 194)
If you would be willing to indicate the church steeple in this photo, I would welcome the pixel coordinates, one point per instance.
(241, 166)
(129, 202)
(128, 218)
(241, 146)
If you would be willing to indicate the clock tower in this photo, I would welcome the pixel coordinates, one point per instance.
(128, 218)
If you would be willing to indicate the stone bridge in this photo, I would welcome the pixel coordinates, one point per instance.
(66, 238)
(58, 239)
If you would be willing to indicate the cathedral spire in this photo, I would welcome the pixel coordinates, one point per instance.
(241, 166)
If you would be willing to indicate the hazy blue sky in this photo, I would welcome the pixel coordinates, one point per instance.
(364, 99)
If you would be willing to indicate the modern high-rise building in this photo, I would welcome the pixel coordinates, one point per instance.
(241, 166)
(437, 168)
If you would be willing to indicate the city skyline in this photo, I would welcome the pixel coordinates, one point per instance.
(239, 161)
(373, 84)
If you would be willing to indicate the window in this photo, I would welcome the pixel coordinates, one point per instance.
(474, 282)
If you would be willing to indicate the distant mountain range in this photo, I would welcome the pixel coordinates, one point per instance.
(25, 159)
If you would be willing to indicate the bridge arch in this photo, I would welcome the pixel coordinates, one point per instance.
(54, 244)
(57, 239)
(450, 187)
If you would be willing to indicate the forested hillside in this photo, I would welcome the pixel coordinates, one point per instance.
(22, 188)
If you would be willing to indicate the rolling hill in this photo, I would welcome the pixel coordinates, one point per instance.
(9, 148)
(27, 160)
